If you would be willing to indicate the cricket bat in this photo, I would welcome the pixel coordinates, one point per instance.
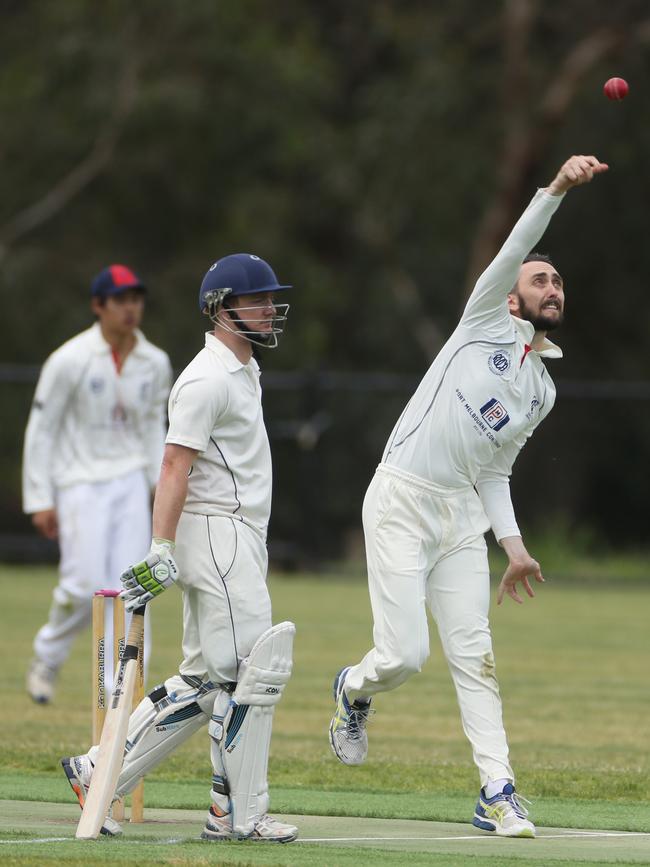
(111, 745)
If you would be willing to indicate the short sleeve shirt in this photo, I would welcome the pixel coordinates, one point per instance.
(215, 407)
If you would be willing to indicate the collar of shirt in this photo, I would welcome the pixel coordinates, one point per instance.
(227, 356)
(101, 345)
(527, 333)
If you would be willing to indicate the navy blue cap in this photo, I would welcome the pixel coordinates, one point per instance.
(113, 280)
(243, 274)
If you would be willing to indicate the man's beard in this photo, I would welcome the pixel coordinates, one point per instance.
(539, 321)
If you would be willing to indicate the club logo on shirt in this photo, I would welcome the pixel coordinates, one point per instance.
(499, 362)
(96, 384)
(494, 414)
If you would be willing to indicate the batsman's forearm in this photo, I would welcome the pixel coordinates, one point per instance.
(168, 504)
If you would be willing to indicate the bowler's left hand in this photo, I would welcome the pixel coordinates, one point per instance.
(520, 567)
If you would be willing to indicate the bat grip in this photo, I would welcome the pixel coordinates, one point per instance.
(136, 630)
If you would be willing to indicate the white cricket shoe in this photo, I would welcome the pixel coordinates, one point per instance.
(267, 829)
(79, 770)
(503, 814)
(40, 681)
(348, 735)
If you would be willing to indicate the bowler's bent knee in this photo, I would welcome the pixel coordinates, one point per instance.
(395, 669)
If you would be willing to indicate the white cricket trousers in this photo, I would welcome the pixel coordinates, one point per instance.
(222, 565)
(104, 527)
(425, 544)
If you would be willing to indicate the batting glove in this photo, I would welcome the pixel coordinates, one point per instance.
(146, 580)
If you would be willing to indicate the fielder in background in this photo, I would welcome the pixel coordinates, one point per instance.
(92, 455)
(444, 480)
(210, 520)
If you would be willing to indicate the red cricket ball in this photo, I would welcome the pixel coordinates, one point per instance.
(616, 88)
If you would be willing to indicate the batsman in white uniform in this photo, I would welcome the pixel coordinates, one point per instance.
(210, 520)
(92, 454)
(442, 483)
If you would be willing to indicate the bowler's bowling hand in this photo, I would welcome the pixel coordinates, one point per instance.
(148, 579)
(575, 171)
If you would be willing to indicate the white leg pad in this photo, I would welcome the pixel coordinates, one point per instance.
(247, 724)
(163, 720)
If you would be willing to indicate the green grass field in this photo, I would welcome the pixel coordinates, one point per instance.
(572, 666)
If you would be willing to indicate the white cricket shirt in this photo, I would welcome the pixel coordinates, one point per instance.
(89, 423)
(215, 407)
(486, 391)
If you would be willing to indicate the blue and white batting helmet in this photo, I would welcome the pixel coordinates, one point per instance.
(240, 274)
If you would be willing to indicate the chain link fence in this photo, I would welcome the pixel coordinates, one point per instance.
(586, 468)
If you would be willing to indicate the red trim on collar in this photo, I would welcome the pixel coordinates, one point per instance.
(527, 349)
(117, 361)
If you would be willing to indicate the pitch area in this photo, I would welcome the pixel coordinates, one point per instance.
(46, 831)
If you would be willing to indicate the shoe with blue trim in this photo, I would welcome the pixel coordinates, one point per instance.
(266, 829)
(348, 736)
(503, 814)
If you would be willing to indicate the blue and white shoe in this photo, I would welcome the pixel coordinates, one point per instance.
(348, 736)
(503, 814)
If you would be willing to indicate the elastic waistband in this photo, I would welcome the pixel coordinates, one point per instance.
(422, 484)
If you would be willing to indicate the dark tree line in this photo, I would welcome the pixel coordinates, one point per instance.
(376, 153)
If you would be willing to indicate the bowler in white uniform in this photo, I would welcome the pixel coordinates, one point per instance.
(91, 459)
(210, 521)
(442, 483)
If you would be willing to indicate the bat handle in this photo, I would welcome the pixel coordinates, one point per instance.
(136, 630)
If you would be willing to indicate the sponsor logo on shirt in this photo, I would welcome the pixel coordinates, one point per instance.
(479, 425)
(495, 414)
(499, 362)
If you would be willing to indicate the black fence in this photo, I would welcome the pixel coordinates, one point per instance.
(587, 467)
